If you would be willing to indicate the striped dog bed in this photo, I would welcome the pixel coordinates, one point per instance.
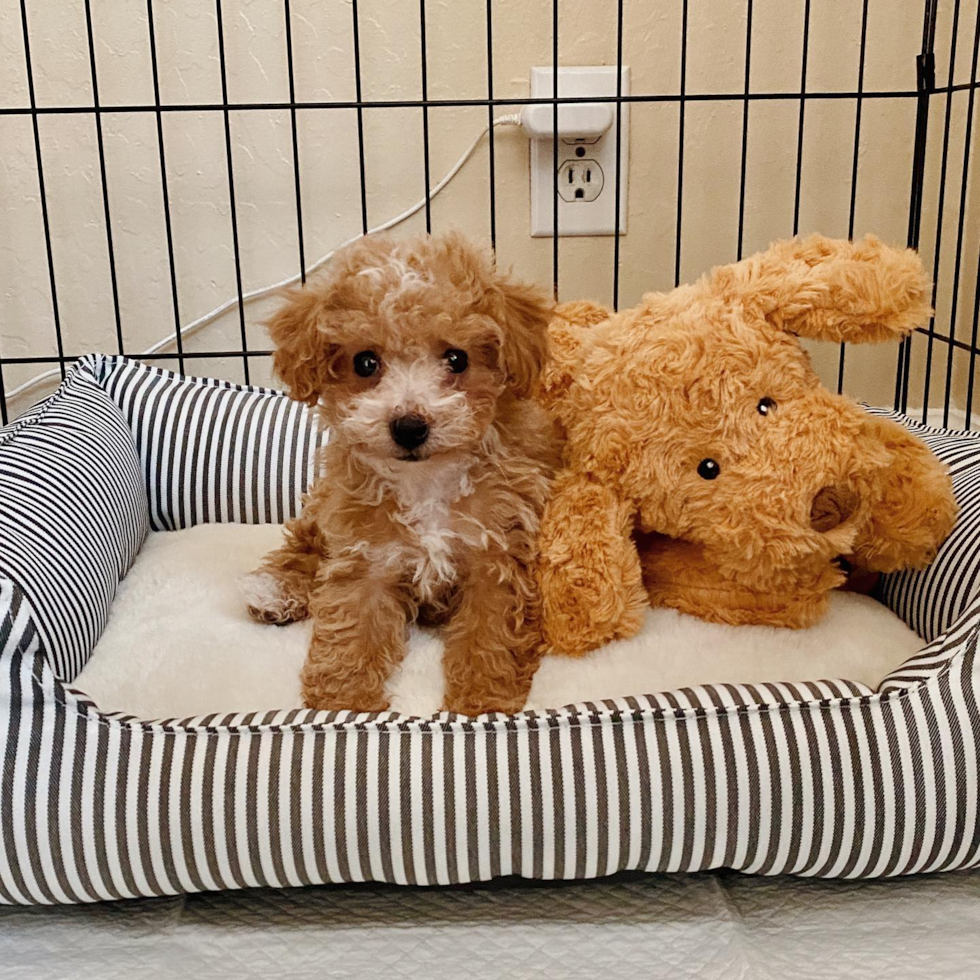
(95, 805)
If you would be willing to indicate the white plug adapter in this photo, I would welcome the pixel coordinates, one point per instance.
(576, 121)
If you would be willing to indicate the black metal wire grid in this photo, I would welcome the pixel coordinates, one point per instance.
(924, 93)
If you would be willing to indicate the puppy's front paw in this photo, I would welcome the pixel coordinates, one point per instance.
(475, 699)
(323, 694)
(473, 706)
(269, 600)
(341, 704)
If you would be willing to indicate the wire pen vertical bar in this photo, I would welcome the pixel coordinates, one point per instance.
(858, 105)
(554, 145)
(745, 127)
(231, 183)
(925, 81)
(425, 119)
(976, 307)
(292, 123)
(105, 185)
(360, 115)
(3, 397)
(41, 191)
(493, 176)
(802, 118)
(967, 138)
(904, 352)
(154, 66)
(940, 209)
(680, 146)
(973, 347)
(619, 147)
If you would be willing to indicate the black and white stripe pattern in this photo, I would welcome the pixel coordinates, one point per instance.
(933, 658)
(72, 513)
(871, 785)
(213, 451)
(931, 600)
(823, 779)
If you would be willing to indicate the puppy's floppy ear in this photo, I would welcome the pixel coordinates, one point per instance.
(524, 343)
(306, 329)
(830, 289)
(302, 356)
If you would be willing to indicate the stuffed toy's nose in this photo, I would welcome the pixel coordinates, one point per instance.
(831, 507)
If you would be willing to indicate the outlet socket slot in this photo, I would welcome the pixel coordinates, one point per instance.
(580, 181)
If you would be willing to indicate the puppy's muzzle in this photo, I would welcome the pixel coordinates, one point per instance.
(831, 507)
(410, 431)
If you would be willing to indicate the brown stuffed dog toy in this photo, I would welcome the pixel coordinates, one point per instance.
(707, 469)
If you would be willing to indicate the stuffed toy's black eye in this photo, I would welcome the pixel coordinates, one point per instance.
(708, 469)
(765, 406)
(456, 359)
(366, 363)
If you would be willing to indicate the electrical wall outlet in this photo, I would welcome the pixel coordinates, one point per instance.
(586, 171)
(580, 180)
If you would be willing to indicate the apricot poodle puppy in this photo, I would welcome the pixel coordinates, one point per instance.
(420, 358)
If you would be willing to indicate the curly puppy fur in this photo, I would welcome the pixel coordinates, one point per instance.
(442, 532)
(801, 477)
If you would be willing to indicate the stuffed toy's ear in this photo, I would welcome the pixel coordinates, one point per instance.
(524, 343)
(914, 507)
(568, 336)
(303, 352)
(830, 289)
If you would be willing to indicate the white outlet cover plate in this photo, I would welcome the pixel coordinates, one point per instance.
(596, 217)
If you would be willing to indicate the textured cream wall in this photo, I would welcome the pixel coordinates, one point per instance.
(389, 38)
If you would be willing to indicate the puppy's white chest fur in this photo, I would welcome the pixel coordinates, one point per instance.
(427, 500)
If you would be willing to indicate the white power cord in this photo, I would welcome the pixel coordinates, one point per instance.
(510, 119)
(580, 120)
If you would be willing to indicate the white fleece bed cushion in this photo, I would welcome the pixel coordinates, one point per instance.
(179, 643)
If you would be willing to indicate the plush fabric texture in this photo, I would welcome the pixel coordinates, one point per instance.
(706, 468)
(72, 512)
(180, 643)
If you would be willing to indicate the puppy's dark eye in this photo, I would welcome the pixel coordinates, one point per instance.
(456, 359)
(765, 406)
(366, 362)
(708, 469)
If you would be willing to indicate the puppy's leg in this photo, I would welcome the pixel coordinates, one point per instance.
(493, 639)
(359, 630)
(279, 589)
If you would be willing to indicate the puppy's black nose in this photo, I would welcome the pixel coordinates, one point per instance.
(410, 431)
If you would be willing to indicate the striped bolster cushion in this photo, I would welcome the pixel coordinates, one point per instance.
(72, 512)
(822, 779)
(212, 451)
